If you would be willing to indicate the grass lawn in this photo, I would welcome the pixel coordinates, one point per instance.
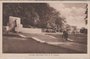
(16, 44)
(79, 38)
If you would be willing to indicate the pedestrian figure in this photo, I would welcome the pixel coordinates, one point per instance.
(15, 25)
(65, 35)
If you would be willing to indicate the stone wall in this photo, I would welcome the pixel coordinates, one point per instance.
(19, 27)
(31, 30)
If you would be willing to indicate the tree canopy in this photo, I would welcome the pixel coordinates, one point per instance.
(34, 14)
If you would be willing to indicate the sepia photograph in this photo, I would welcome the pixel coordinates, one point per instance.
(45, 28)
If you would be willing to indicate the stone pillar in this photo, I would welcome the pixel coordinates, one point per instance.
(14, 23)
(11, 23)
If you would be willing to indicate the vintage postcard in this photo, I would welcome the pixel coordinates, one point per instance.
(48, 29)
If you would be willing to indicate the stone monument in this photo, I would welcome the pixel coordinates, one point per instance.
(14, 24)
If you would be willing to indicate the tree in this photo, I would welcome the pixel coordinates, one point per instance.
(83, 30)
(86, 12)
(33, 14)
(25, 11)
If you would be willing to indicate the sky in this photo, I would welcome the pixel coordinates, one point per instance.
(73, 12)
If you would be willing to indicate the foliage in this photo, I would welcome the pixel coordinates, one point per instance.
(33, 14)
(83, 30)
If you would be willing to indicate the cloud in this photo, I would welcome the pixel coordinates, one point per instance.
(74, 16)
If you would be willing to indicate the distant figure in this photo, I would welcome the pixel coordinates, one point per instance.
(65, 35)
(15, 25)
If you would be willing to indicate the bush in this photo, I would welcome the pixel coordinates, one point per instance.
(83, 30)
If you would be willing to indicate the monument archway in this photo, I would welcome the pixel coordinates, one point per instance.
(14, 24)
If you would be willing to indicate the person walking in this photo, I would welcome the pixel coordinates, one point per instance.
(65, 35)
